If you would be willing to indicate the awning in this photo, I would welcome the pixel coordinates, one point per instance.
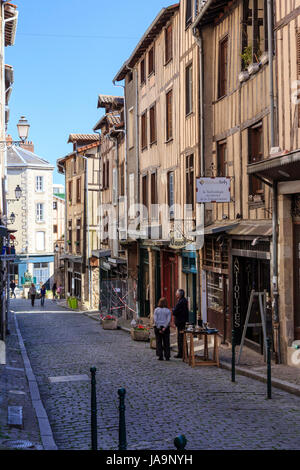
(219, 228)
(116, 261)
(101, 253)
(76, 259)
(284, 167)
(252, 228)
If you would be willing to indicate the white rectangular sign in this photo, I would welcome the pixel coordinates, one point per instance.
(213, 190)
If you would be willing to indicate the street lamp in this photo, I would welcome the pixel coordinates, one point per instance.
(18, 193)
(23, 128)
(12, 218)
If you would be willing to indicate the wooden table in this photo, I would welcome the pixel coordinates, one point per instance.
(189, 353)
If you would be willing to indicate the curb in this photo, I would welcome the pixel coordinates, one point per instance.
(42, 418)
(277, 383)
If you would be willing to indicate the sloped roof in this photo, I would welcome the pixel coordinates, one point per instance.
(150, 35)
(111, 118)
(10, 11)
(112, 102)
(86, 138)
(19, 157)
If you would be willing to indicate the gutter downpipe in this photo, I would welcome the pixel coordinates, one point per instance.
(275, 192)
(88, 228)
(198, 37)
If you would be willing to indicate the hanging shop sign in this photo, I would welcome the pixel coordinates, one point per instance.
(213, 190)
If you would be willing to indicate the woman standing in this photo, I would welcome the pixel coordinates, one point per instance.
(43, 294)
(32, 293)
(162, 319)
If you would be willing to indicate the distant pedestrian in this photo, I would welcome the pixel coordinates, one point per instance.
(32, 293)
(59, 291)
(162, 319)
(43, 294)
(12, 287)
(181, 314)
(54, 288)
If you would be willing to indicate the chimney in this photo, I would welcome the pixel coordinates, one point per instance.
(28, 145)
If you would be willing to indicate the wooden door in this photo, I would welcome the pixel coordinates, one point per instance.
(170, 278)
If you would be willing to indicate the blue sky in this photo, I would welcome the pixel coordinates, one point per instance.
(66, 53)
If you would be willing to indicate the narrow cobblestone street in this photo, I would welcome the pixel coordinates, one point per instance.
(163, 399)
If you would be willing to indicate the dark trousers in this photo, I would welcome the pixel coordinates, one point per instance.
(162, 343)
(32, 300)
(180, 340)
(42, 300)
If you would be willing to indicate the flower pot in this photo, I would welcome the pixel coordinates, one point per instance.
(140, 335)
(253, 68)
(243, 76)
(109, 324)
(264, 59)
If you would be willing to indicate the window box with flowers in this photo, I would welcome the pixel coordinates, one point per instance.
(140, 333)
(109, 323)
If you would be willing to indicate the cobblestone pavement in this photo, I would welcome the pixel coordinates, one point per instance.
(163, 399)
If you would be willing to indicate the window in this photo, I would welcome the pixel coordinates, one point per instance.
(40, 241)
(39, 184)
(54, 228)
(254, 31)
(78, 235)
(188, 13)
(223, 67)
(151, 61)
(40, 212)
(70, 235)
(145, 196)
(222, 159)
(168, 44)
(131, 128)
(74, 166)
(78, 190)
(190, 180)
(154, 202)
(105, 174)
(171, 198)
(143, 72)
(122, 179)
(70, 191)
(169, 117)
(144, 130)
(152, 124)
(55, 206)
(255, 152)
(189, 89)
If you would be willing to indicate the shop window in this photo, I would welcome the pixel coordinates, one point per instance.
(216, 253)
(223, 67)
(255, 152)
(222, 159)
(215, 291)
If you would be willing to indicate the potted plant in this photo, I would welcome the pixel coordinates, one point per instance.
(140, 333)
(69, 242)
(110, 323)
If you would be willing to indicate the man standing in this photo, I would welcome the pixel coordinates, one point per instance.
(181, 315)
(32, 293)
(54, 290)
(13, 286)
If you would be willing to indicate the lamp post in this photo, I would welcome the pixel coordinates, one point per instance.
(23, 130)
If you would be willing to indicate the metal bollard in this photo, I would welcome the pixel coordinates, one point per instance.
(180, 442)
(122, 423)
(94, 409)
(269, 371)
(233, 357)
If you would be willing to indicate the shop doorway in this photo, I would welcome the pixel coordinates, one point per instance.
(250, 274)
(144, 283)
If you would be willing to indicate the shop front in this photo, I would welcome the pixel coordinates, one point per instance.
(189, 269)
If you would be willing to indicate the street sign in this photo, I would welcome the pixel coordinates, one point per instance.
(213, 190)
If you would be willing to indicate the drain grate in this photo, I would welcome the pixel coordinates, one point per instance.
(18, 444)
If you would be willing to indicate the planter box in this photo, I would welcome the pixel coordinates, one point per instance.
(243, 76)
(253, 68)
(142, 335)
(110, 324)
